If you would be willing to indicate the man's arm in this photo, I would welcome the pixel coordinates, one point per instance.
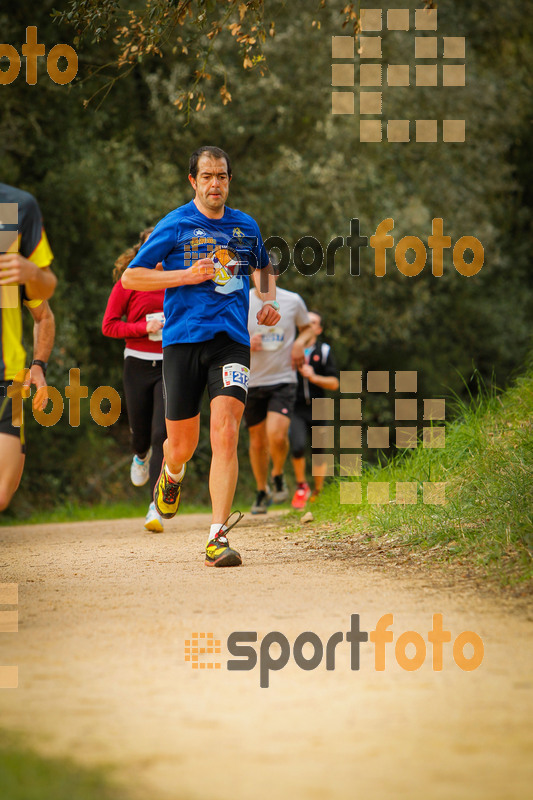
(329, 382)
(305, 337)
(265, 284)
(144, 279)
(39, 282)
(44, 329)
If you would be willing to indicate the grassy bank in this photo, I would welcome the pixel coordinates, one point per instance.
(80, 512)
(24, 775)
(487, 465)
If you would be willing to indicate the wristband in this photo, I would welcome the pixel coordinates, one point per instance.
(273, 303)
(42, 364)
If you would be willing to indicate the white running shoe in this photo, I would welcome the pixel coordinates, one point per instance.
(280, 493)
(153, 521)
(140, 469)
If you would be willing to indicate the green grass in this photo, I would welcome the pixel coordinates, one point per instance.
(24, 775)
(73, 512)
(487, 465)
(81, 512)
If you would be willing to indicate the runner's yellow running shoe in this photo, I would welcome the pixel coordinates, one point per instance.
(153, 521)
(218, 553)
(167, 494)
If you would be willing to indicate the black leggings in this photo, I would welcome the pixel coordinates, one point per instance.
(143, 387)
(300, 430)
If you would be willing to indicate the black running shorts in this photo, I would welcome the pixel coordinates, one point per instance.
(221, 364)
(262, 399)
(6, 416)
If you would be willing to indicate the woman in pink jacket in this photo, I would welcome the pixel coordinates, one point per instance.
(143, 360)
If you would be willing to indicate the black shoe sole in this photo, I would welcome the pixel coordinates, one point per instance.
(229, 560)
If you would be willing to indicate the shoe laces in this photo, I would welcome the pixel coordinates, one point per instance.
(170, 491)
(222, 535)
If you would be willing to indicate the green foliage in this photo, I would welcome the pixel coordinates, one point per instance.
(24, 775)
(487, 465)
(190, 28)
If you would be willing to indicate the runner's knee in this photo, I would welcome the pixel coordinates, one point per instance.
(297, 452)
(279, 438)
(179, 452)
(258, 440)
(225, 433)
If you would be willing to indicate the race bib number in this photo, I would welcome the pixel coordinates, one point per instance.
(160, 317)
(235, 375)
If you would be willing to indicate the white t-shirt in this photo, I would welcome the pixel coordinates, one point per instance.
(272, 364)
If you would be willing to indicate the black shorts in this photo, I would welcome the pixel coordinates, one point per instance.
(262, 399)
(6, 416)
(221, 364)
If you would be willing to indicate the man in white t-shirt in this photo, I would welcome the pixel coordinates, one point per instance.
(276, 353)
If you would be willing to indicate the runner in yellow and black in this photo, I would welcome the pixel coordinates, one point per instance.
(25, 279)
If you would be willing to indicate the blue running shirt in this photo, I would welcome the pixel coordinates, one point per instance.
(196, 313)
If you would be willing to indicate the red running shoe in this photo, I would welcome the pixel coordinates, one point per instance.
(301, 496)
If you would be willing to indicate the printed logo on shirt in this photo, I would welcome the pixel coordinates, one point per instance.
(235, 375)
(272, 339)
(199, 232)
(238, 233)
(227, 266)
(198, 247)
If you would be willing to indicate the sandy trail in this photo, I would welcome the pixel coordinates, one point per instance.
(105, 611)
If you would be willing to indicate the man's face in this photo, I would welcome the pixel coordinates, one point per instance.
(314, 321)
(211, 183)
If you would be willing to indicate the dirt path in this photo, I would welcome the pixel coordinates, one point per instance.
(104, 614)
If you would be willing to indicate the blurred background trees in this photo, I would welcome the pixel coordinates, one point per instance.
(105, 169)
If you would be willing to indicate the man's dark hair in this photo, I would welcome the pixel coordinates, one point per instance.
(209, 150)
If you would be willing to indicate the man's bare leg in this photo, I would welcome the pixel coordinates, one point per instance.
(319, 483)
(259, 454)
(226, 414)
(277, 430)
(181, 442)
(11, 468)
(319, 473)
(298, 465)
